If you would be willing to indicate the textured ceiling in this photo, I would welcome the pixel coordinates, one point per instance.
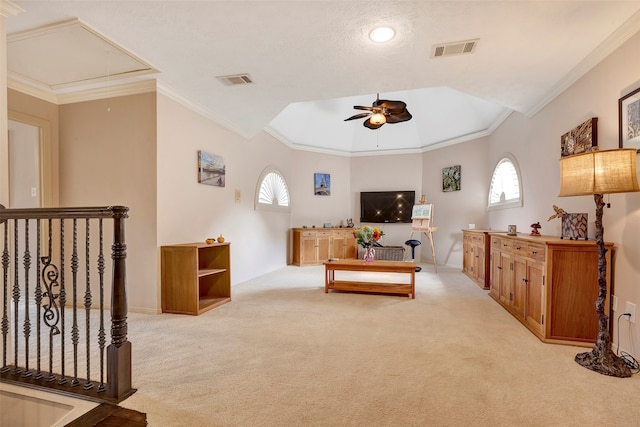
(305, 56)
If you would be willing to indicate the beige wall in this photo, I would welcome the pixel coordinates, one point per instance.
(535, 142)
(384, 173)
(309, 209)
(109, 158)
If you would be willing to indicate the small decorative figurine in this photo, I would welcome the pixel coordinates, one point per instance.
(534, 229)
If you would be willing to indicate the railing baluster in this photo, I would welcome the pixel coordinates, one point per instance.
(27, 320)
(50, 276)
(75, 337)
(101, 333)
(38, 295)
(87, 306)
(63, 304)
(16, 297)
(5, 296)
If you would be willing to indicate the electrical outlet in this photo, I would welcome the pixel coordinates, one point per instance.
(34, 192)
(631, 309)
(614, 303)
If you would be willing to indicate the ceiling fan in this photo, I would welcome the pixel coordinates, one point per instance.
(382, 111)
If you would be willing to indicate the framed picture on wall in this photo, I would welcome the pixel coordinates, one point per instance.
(451, 178)
(629, 120)
(322, 184)
(580, 139)
(211, 169)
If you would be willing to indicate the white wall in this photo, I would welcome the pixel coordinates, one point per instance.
(455, 210)
(190, 212)
(535, 142)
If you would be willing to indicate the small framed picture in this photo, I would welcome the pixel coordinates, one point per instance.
(451, 178)
(211, 169)
(512, 230)
(581, 139)
(629, 120)
(322, 184)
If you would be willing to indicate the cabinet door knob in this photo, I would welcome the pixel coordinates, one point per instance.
(518, 248)
(534, 252)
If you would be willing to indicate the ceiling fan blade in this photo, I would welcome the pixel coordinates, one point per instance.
(391, 105)
(397, 118)
(362, 107)
(367, 123)
(358, 116)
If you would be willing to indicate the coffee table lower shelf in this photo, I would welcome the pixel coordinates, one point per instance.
(377, 266)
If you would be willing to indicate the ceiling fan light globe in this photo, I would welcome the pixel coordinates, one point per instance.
(378, 119)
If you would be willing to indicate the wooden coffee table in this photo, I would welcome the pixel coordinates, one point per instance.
(377, 266)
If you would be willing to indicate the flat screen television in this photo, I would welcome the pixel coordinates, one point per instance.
(386, 206)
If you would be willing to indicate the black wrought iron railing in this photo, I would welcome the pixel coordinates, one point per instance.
(55, 318)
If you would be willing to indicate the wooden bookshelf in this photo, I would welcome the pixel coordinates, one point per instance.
(196, 277)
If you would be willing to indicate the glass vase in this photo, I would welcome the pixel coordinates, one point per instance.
(369, 255)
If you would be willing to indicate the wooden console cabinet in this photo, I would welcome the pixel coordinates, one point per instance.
(313, 246)
(196, 277)
(476, 244)
(549, 284)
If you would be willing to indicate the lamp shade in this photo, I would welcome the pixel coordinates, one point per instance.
(599, 172)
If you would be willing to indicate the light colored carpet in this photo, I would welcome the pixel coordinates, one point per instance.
(284, 353)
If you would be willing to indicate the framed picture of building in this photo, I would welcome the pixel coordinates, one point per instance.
(322, 184)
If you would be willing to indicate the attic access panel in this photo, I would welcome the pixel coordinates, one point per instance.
(69, 53)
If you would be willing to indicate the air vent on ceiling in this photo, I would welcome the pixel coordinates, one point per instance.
(236, 79)
(455, 48)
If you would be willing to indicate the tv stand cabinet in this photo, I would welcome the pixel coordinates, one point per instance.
(196, 277)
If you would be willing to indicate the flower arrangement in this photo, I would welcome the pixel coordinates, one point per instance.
(366, 236)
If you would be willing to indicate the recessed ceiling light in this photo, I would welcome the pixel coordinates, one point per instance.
(382, 34)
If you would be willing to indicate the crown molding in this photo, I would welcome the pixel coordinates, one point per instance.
(199, 109)
(604, 49)
(93, 94)
(134, 88)
(8, 9)
(383, 152)
(30, 89)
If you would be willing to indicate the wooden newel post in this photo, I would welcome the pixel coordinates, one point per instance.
(119, 351)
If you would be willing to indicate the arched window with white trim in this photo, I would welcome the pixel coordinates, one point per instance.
(272, 192)
(505, 190)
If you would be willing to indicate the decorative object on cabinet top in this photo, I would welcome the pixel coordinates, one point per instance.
(534, 229)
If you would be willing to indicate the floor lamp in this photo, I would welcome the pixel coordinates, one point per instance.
(598, 173)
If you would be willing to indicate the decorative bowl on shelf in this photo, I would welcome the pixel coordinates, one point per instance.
(210, 241)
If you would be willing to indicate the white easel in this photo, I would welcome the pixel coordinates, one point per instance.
(421, 218)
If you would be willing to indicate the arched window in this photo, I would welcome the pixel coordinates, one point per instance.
(506, 184)
(272, 191)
